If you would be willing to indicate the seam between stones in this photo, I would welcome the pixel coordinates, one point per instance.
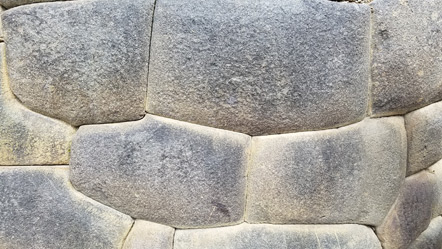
(149, 54)
(127, 234)
(172, 245)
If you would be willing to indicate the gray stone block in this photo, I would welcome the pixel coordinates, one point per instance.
(162, 170)
(247, 236)
(39, 209)
(347, 175)
(260, 66)
(80, 61)
(14, 3)
(424, 131)
(407, 55)
(148, 235)
(436, 169)
(430, 238)
(411, 213)
(26, 137)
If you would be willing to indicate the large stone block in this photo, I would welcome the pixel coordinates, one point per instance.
(431, 238)
(411, 213)
(39, 209)
(162, 170)
(424, 131)
(347, 175)
(407, 55)
(436, 169)
(247, 236)
(26, 137)
(14, 3)
(260, 66)
(80, 61)
(149, 235)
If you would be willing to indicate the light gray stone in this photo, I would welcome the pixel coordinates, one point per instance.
(26, 137)
(14, 3)
(436, 169)
(407, 55)
(166, 171)
(411, 214)
(347, 175)
(247, 236)
(424, 131)
(82, 62)
(430, 238)
(39, 209)
(148, 235)
(260, 66)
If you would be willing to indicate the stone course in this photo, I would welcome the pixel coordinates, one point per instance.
(146, 234)
(95, 72)
(246, 236)
(258, 73)
(162, 170)
(332, 176)
(39, 209)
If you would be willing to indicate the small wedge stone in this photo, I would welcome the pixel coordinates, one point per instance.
(39, 209)
(247, 236)
(411, 214)
(424, 131)
(166, 171)
(148, 235)
(83, 62)
(347, 175)
(430, 238)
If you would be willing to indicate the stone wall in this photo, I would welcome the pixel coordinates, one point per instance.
(221, 124)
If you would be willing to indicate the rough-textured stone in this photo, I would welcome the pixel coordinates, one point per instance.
(424, 131)
(411, 213)
(331, 176)
(14, 3)
(28, 138)
(407, 55)
(162, 170)
(430, 238)
(436, 169)
(247, 236)
(39, 209)
(80, 61)
(260, 66)
(148, 235)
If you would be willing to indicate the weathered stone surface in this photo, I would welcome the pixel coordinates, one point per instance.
(162, 170)
(39, 209)
(26, 137)
(407, 55)
(146, 234)
(331, 176)
(14, 3)
(424, 131)
(411, 213)
(260, 66)
(436, 169)
(247, 236)
(430, 238)
(80, 61)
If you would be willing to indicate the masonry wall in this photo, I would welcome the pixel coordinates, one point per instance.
(221, 124)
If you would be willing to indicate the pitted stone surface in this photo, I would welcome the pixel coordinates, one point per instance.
(80, 61)
(424, 131)
(436, 169)
(39, 209)
(332, 176)
(26, 137)
(162, 170)
(411, 213)
(148, 235)
(260, 67)
(14, 3)
(407, 55)
(431, 238)
(247, 236)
